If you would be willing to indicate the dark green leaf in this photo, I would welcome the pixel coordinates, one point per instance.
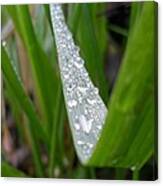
(9, 171)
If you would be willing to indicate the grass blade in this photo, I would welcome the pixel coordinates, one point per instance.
(53, 145)
(129, 137)
(43, 72)
(12, 79)
(10, 171)
(74, 12)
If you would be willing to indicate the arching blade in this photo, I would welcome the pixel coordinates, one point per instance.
(85, 108)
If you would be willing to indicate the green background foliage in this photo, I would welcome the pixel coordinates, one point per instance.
(32, 89)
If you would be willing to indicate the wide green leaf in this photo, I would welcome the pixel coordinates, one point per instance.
(127, 138)
(40, 123)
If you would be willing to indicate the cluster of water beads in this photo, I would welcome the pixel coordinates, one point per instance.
(86, 109)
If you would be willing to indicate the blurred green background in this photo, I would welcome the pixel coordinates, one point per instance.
(118, 42)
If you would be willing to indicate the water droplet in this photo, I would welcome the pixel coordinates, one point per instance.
(63, 45)
(65, 161)
(91, 101)
(86, 124)
(66, 75)
(56, 8)
(79, 62)
(96, 90)
(85, 147)
(69, 36)
(79, 142)
(85, 111)
(57, 172)
(99, 127)
(82, 90)
(133, 168)
(69, 65)
(77, 49)
(77, 126)
(72, 103)
(80, 99)
(3, 43)
(90, 145)
(70, 87)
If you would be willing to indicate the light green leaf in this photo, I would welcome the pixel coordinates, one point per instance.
(43, 71)
(127, 138)
(35, 129)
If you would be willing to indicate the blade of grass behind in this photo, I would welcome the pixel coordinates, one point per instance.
(8, 170)
(34, 126)
(87, 37)
(74, 12)
(16, 111)
(54, 139)
(43, 72)
(47, 12)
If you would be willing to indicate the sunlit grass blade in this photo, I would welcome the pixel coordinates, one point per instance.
(127, 139)
(34, 126)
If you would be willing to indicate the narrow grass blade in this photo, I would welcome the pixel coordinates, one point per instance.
(135, 175)
(118, 30)
(13, 80)
(74, 12)
(43, 72)
(47, 12)
(34, 126)
(54, 139)
(8, 170)
(16, 111)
